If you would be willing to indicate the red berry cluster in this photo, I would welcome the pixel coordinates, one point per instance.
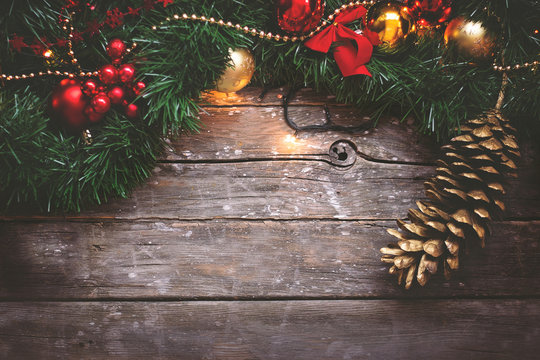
(113, 18)
(115, 86)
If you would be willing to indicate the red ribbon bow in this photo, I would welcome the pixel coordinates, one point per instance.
(349, 58)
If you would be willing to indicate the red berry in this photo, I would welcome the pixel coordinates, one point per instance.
(101, 103)
(126, 73)
(92, 115)
(139, 87)
(89, 88)
(116, 49)
(116, 94)
(132, 111)
(108, 74)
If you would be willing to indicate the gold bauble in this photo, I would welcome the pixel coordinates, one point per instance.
(239, 71)
(470, 39)
(391, 22)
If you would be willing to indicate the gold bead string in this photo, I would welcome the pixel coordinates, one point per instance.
(129, 50)
(46, 73)
(69, 29)
(532, 65)
(67, 23)
(260, 33)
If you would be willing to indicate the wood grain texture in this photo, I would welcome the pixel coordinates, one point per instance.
(379, 329)
(245, 211)
(239, 259)
(253, 132)
(273, 190)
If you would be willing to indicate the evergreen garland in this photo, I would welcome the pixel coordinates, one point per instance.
(45, 167)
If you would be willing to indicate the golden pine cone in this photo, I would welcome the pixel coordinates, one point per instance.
(465, 195)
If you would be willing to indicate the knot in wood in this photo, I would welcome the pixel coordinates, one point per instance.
(342, 153)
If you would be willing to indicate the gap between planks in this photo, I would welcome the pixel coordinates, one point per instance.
(250, 299)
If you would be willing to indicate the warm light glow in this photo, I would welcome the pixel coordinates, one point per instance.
(47, 53)
(228, 98)
(392, 16)
(473, 28)
(291, 140)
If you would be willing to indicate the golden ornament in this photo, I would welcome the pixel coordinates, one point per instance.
(239, 71)
(470, 39)
(465, 195)
(390, 22)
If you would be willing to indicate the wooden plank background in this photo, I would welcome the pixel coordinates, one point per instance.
(250, 242)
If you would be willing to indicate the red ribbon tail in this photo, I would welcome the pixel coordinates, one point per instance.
(323, 40)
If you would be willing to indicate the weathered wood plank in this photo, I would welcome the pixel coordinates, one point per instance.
(273, 97)
(379, 329)
(237, 259)
(254, 132)
(273, 189)
(292, 189)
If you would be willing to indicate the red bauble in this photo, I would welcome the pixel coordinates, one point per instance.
(132, 111)
(126, 73)
(430, 12)
(116, 49)
(138, 88)
(108, 74)
(299, 16)
(101, 103)
(116, 95)
(92, 115)
(89, 88)
(67, 105)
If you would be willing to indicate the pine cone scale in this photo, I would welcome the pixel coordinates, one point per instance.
(465, 194)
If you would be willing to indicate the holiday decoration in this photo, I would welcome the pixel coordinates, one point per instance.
(101, 103)
(92, 115)
(470, 39)
(108, 74)
(126, 73)
(116, 95)
(299, 16)
(390, 22)
(183, 55)
(67, 105)
(138, 88)
(354, 50)
(430, 13)
(238, 73)
(466, 194)
(132, 111)
(89, 88)
(116, 49)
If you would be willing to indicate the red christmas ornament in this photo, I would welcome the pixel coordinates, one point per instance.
(132, 111)
(299, 16)
(138, 88)
(67, 105)
(108, 74)
(126, 73)
(92, 115)
(101, 103)
(116, 49)
(429, 12)
(116, 95)
(89, 88)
